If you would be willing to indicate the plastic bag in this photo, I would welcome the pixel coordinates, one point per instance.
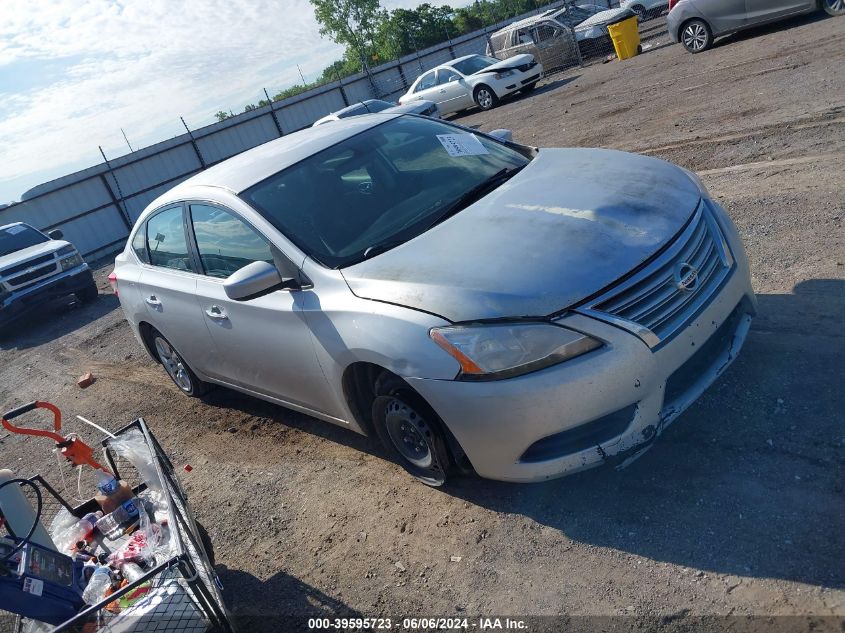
(133, 447)
(141, 546)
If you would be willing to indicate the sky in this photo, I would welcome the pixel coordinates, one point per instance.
(74, 72)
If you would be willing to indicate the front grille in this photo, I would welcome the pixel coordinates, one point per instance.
(526, 67)
(19, 267)
(531, 79)
(666, 295)
(21, 280)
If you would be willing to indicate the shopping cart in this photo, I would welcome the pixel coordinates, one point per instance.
(180, 593)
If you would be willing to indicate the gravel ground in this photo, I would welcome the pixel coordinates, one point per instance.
(737, 510)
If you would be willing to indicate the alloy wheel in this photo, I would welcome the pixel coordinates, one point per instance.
(836, 5)
(695, 36)
(409, 433)
(485, 99)
(173, 364)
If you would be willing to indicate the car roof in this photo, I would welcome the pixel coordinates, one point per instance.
(254, 165)
(450, 63)
(11, 224)
(527, 21)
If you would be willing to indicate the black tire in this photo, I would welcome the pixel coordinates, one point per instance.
(696, 36)
(176, 367)
(485, 98)
(410, 430)
(88, 294)
(641, 12)
(833, 7)
(529, 88)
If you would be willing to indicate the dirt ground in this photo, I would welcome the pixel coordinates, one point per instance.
(737, 510)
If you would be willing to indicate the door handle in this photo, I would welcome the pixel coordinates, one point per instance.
(216, 312)
(442, 90)
(153, 301)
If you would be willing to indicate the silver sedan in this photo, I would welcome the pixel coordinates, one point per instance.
(477, 304)
(696, 23)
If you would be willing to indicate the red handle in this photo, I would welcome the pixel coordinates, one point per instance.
(57, 421)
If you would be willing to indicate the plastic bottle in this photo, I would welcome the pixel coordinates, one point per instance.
(111, 492)
(131, 571)
(110, 524)
(95, 590)
(80, 531)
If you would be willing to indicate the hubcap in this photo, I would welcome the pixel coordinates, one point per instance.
(409, 433)
(695, 36)
(173, 364)
(485, 100)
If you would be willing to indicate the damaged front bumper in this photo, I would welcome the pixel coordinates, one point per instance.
(608, 406)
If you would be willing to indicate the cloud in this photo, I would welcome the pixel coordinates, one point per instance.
(74, 72)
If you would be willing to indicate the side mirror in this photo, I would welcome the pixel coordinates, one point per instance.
(502, 135)
(253, 280)
(55, 234)
(454, 78)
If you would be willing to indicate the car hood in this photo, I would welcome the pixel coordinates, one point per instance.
(24, 255)
(510, 62)
(568, 225)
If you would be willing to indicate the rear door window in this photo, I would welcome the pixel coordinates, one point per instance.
(426, 82)
(139, 244)
(168, 247)
(225, 242)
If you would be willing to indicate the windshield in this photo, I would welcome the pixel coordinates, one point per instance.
(18, 237)
(474, 64)
(573, 16)
(381, 187)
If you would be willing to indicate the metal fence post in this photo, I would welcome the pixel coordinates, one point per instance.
(194, 143)
(577, 47)
(123, 213)
(273, 113)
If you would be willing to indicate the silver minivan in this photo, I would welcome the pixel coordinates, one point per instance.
(477, 304)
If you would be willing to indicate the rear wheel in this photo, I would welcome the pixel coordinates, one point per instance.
(410, 430)
(485, 98)
(176, 367)
(834, 7)
(696, 36)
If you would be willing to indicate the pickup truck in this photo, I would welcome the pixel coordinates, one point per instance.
(36, 268)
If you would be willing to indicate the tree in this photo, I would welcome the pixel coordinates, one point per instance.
(221, 116)
(353, 23)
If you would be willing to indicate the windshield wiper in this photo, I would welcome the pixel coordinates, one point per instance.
(475, 193)
(377, 249)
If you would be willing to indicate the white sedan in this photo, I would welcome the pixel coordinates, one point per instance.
(474, 80)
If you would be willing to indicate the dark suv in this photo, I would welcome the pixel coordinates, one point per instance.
(35, 268)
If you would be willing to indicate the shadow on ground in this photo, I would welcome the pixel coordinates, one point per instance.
(54, 320)
(280, 603)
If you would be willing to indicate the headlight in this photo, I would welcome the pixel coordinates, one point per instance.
(504, 73)
(491, 352)
(71, 262)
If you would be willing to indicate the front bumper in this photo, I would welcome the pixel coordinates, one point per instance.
(497, 422)
(32, 297)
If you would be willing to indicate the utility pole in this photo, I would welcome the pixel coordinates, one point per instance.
(301, 76)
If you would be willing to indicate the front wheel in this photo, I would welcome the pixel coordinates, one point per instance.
(834, 7)
(410, 430)
(178, 370)
(485, 98)
(696, 36)
(529, 88)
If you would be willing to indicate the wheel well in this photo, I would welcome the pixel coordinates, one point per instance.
(359, 382)
(146, 331)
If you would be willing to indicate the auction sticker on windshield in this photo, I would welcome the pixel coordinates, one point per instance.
(462, 144)
(14, 230)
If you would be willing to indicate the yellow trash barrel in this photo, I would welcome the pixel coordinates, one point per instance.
(626, 37)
